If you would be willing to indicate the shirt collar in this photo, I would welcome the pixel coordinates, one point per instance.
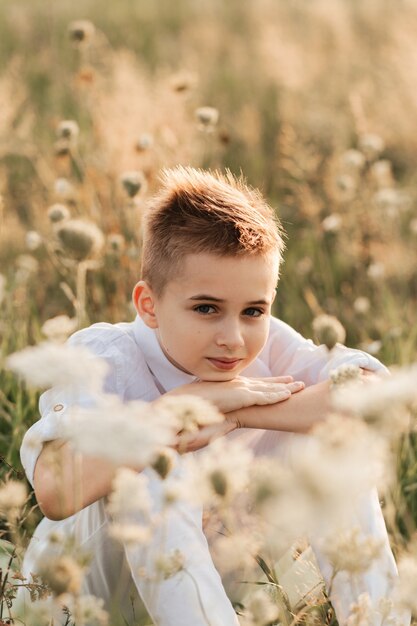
(167, 374)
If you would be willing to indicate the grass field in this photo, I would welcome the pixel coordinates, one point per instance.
(316, 106)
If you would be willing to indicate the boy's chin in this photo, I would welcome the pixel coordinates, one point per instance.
(218, 377)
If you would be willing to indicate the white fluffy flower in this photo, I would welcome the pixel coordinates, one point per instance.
(235, 552)
(129, 494)
(351, 551)
(131, 534)
(50, 364)
(217, 473)
(170, 564)
(33, 240)
(406, 588)
(261, 609)
(327, 473)
(13, 495)
(383, 401)
(361, 612)
(189, 412)
(87, 610)
(125, 433)
(59, 328)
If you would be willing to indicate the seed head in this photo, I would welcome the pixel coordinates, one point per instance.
(79, 238)
(13, 496)
(164, 462)
(344, 374)
(115, 243)
(64, 189)
(371, 145)
(170, 564)
(59, 328)
(207, 117)
(332, 223)
(58, 213)
(68, 129)
(183, 81)
(328, 330)
(218, 480)
(81, 31)
(133, 182)
(144, 142)
(33, 240)
(62, 575)
(362, 305)
(353, 159)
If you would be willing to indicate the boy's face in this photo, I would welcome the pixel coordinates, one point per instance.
(213, 319)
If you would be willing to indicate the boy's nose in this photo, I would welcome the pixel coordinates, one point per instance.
(230, 337)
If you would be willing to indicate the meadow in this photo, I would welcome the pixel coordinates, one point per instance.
(314, 101)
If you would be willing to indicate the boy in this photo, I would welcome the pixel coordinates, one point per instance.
(211, 255)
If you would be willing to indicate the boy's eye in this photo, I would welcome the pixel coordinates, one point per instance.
(253, 312)
(205, 309)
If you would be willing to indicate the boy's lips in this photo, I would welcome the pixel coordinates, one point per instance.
(224, 363)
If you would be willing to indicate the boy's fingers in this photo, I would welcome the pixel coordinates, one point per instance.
(297, 386)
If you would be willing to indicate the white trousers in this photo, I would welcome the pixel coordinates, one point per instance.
(196, 596)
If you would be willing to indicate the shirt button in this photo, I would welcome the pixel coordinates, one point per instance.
(58, 407)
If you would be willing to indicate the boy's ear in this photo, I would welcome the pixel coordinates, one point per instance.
(144, 301)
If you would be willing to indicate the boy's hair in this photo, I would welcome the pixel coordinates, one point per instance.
(200, 211)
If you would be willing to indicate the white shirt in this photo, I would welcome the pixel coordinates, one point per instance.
(138, 369)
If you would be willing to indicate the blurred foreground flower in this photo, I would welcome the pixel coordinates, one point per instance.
(59, 328)
(352, 552)
(190, 412)
(406, 588)
(50, 364)
(170, 564)
(79, 238)
(261, 610)
(383, 403)
(126, 433)
(361, 612)
(324, 476)
(345, 374)
(62, 575)
(328, 330)
(218, 473)
(129, 494)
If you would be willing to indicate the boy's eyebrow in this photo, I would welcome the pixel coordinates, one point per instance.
(207, 298)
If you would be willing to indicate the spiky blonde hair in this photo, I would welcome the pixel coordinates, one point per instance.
(202, 211)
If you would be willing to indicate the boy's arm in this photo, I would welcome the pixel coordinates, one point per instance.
(65, 481)
(298, 414)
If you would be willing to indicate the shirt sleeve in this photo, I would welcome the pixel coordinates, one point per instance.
(290, 353)
(56, 403)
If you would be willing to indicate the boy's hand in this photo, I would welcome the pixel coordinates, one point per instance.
(242, 392)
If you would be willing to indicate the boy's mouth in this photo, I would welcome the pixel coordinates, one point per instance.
(224, 363)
